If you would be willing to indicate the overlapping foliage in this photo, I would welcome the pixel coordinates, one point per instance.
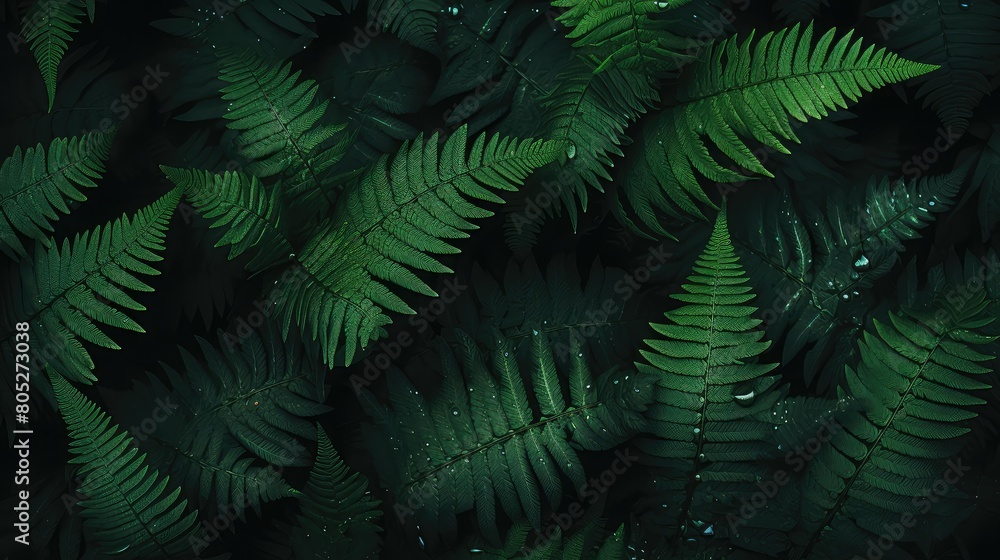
(684, 338)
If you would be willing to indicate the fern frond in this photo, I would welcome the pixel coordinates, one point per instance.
(591, 111)
(279, 124)
(915, 381)
(750, 95)
(819, 266)
(251, 390)
(388, 223)
(48, 29)
(710, 389)
(338, 512)
(622, 34)
(414, 21)
(66, 291)
(480, 442)
(960, 37)
(33, 187)
(128, 508)
(252, 215)
(558, 302)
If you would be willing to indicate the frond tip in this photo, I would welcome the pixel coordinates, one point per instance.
(35, 187)
(710, 386)
(67, 290)
(128, 507)
(748, 90)
(338, 512)
(402, 210)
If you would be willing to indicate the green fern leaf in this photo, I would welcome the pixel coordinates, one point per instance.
(710, 388)
(128, 510)
(480, 441)
(591, 111)
(751, 94)
(33, 187)
(414, 21)
(913, 380)
(821, 265)
(400, 212)
(338, 513)
(622, 34)
(252, 215)
(960, 37)
(65, 291)
(251, 390)
(279, 124)
(48, 29)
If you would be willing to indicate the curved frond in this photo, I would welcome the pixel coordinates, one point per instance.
(915, 381)
(251, 212)
(479, 445)
(820, 266)
(280, 126)
(37, 185)
(414, 21)
(250, 390)
(623, 34)
(591, 111)
(390, 222)
(66, 291)
(749, 89)
(128, 508)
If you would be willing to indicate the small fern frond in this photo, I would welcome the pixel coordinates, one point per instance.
(591, 111)
(37, 185)
(710, 389)
(820, 265)
(960, 37)
(128, 509)
(622, 34)
(480, 445)
(252, 390)
(48, 29)
(414, 21)
(401, 211)
(915, 382)
(338, 513)
(66, 291)
(750, 95)
(280, 125)
(251, 212)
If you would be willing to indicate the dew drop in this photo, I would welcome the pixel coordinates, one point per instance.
(571, 150)
(964, 5)
(662, 4)
(862, 263)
